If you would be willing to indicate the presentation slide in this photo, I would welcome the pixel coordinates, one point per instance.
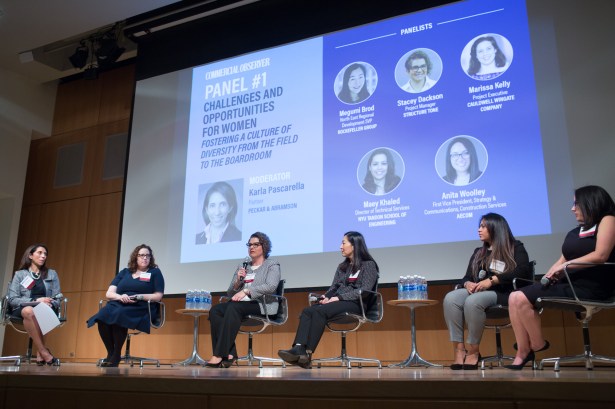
(406, 130)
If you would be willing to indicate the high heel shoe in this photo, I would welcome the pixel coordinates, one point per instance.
(109, 364)
(53, 362)
(227, 363)
(217, 365)
(530, 357)
(458, 367)
(544, 347)
(471, 367)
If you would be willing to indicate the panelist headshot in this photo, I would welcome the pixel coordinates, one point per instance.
(379, 171)
(219, 211)
(355, 83)
(128, 302)
(422, 70)
(461, 160)
(486, 57)
(252, 284)
(32, 284)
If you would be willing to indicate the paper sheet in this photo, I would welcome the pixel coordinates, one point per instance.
(46, 317)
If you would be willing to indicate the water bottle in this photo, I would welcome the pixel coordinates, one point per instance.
(400, 288)
(206, 299)
(407, 287)
(188, 299)
(424, 295)
(197, 300)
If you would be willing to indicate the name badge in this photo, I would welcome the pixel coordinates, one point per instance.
(145, 277)
(353, 277)
(497, 266)
(27, 282)
(249, 277)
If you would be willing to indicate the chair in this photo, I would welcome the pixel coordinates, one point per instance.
(497, 319)
(372, 312)
(255, 324)
(155, 321)
(584, 311)
(17, 325)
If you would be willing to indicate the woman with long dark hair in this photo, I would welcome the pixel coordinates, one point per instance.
(488, 281)
(34, 282)
(461, 162)
(592, 241)
(358, 271)
(380, 177)
(354, 85)
(486, 59)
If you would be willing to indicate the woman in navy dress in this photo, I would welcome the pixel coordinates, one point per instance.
(127, 305)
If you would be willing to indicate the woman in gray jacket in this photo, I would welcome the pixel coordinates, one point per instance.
(251, 281)
(34, 283)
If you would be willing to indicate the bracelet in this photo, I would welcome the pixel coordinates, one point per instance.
(139, 297)
(491, 279)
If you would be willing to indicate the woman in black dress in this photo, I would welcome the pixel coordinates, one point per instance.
(127, 306)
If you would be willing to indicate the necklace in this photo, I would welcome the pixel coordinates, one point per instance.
(34, 275)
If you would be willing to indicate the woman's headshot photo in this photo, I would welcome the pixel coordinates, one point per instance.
(486, 57)
(219, 211)
(461, 160)
(355, 83)
(418, 70)
(380, 171)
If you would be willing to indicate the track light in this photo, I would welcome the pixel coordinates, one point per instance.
(80, 58)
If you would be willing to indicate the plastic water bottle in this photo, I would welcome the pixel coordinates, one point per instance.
(206, 300)
(407, 288)
(197, 300)
(188, 299)
(424, 295)
(414, 293)
(400, 288)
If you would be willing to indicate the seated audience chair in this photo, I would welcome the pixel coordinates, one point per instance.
(156, 321)
(497, 319)
(257, 323)
(17, 325)
(372, 312)
(584, 311)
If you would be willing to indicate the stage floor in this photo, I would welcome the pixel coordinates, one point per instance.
(572, 387)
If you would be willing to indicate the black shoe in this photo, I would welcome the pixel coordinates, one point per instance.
(53, 362)
(109, 364)
(471, 367)
(305, 361)
(529, 357)
(544, 348)
(227, 363)
(456, 367)
(293, 355)
(218, 365)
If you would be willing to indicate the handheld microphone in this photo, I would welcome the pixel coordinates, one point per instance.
(314, 299)
(246, 261)
(58, 296)
(482, 274)
(545, 282)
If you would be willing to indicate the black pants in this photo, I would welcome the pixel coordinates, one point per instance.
(314, 319)
(225, 320)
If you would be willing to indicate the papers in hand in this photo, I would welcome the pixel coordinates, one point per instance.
(46, 317)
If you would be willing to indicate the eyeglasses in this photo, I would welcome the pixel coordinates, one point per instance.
(250, 245)
(464, 154)
(418, 67)
(144, 255)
